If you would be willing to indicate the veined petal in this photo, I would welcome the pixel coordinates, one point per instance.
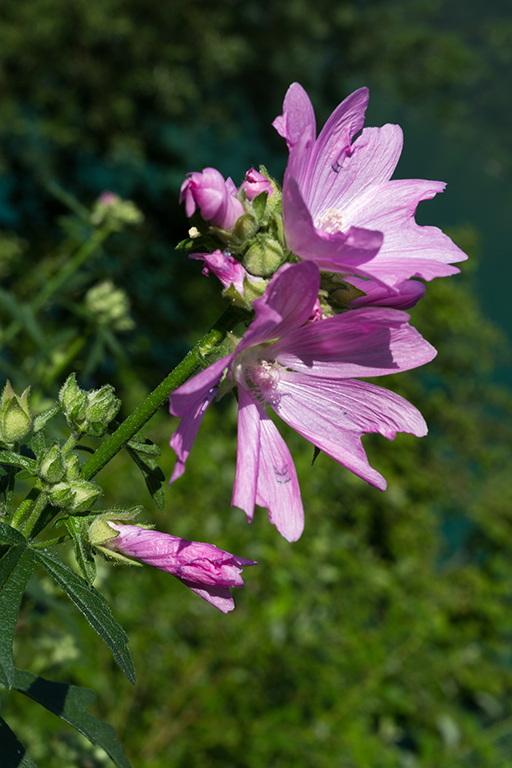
(363, 342)
(288, 302)
(298, 116)
(409, 250)
(190, 401)
(248, 453)
(278, 487)
(334, 142)
(339, 251)
(372, 159)
(334, 415)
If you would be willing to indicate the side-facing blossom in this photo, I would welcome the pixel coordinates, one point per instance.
(228, 269)
(340, 206)
(205, 569)
(213, 196)
(304, 371)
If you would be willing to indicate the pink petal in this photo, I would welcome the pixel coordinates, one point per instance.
(298, 116)
(190, 401)
(288, 302)
(248, 453)
(278, 487)
(373, 158)
(334, 415)
(220, 597)
(401, 296)
(363, 342)
(338, 252)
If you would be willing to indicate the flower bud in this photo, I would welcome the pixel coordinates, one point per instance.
(264, 257)
(15, 416)
(213, 196)
(76, 496)
(88, 412)
(52, 469)
(255, 183)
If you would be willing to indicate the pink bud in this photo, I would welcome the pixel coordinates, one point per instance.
(226, 268)
(214, 197)
(255, 183)
(205, 569)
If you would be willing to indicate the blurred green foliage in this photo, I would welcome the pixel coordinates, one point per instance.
(383, 638)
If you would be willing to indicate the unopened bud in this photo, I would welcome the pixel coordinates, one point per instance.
(15, 416)
(264, 258)
(52, 469)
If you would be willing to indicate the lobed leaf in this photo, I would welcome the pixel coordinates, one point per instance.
(92, 605)
(16, 566)
(70, 702)
(14, 754)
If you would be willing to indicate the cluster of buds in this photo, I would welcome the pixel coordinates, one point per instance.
(60, 478)
(88, 413)
(247, 225)
(112, 209)
(15, 416)
(110, 306)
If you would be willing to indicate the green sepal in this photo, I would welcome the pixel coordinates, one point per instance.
(259, 205)
(77, 528)
(70, 702)
(14, 754)
(92, 605)
(38, 444)
(41, 420)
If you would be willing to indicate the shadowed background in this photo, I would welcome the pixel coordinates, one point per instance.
(384, 636)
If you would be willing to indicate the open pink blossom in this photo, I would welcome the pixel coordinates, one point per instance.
(340, 206)
(304, 371)
(207, 570)
(214, 197)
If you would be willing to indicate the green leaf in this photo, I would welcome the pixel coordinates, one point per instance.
(70, 702)
(142, 449)
(92, 605)
(14, 754)
(43, 418)
(16, 566)
(10, 535)
(15, 460)
(77, 527)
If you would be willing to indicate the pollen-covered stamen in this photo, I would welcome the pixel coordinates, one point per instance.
(331, 221)
(259, 375)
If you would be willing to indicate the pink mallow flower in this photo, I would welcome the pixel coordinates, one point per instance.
(304, 372)
(255, 183)
(205, 569)
(402, 296)
(340, 206)
(213, 196)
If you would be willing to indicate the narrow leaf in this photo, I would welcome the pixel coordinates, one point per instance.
(77, 527)
(70, 703)
(10, 535)
(153, 476)
(92, 605)
(14, 754)
(16, 567)
(38, 444)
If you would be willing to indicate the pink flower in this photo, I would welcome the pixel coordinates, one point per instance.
(214, 197)
(255, 183)
(305, 374)
(207, 570)
(340, 206)
(226, 268)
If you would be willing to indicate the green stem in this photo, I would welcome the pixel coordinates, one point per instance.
(53, 285)
(154, 400)
(53, 542)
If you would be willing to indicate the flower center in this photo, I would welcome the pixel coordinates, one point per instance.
(331, 221)
(259, 375)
